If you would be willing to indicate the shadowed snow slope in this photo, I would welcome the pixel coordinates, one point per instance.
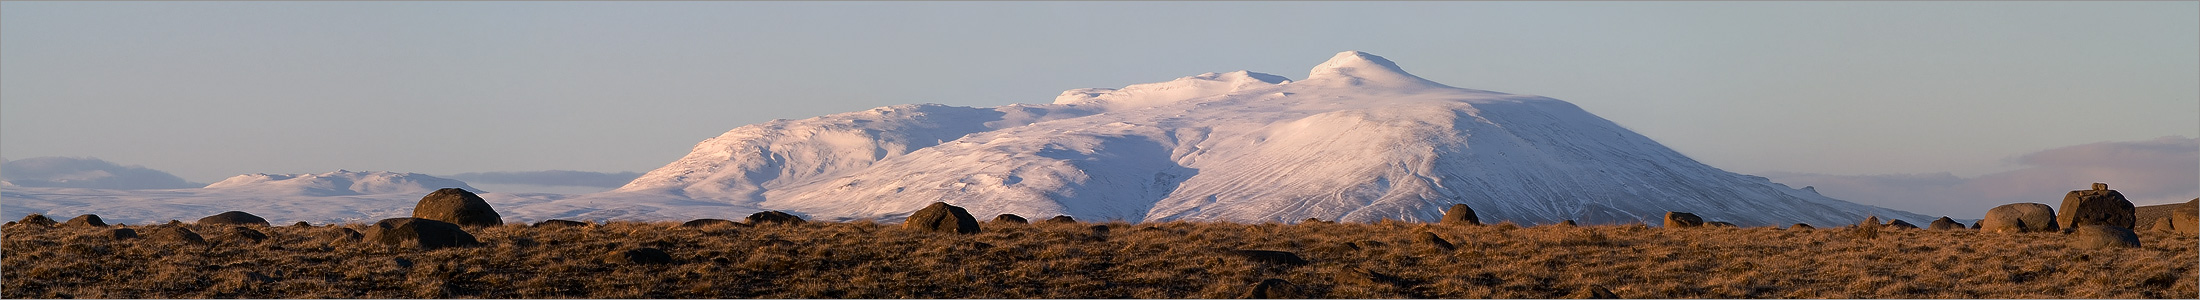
(1358, 140)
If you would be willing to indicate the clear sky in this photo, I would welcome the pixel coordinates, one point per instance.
(206, 90)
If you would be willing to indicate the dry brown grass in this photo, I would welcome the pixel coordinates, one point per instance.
(1161, 260)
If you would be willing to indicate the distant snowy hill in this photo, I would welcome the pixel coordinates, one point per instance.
(341, 196)
(84, 172)
(1358, 140)
(338, 183)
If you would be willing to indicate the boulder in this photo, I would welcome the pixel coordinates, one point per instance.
(233, 218)
(1460, 214)
(341, 234)
(1060, 220)
(122, 234)
(1432, 240)
(457, 206)
(425, 234)
(1270, 257)
(2102, 236)
(176, 234)
(1674, 219)
(774, 217)
(36, 220)
(86, 220)
(1009, 219)
(556, 223)
(301, 224)
(1872, 221)
(1801, 226)
(2099, 206)
(639, 256)
(941, 217)
(1567, 223)
(2186, 219)
(241, 234)
(1944, 223)
(2163, 226)
(1274, 288)
(700, 223)
(1899, 224)
(2019, 217)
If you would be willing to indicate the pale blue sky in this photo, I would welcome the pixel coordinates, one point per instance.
(207, 90)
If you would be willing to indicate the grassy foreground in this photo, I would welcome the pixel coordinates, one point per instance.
(1159, 260)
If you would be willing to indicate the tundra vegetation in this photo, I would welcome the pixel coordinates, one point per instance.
(1067, 259)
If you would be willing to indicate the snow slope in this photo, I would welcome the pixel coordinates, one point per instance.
(1359, 139)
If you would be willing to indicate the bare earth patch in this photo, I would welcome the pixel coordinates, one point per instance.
(1160, 260)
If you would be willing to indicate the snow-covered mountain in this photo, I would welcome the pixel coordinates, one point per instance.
(341, 196)
(339, 183)
(1358, 140)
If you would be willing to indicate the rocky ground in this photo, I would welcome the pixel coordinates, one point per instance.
(1089, 260)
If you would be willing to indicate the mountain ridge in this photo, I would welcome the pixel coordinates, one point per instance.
(1358, 140)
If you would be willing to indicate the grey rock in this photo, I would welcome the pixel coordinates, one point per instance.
(341, 234)
(86, 220)
(942, 217)
(2099, 206)
(1460, 214)
(1899, 224)
(457, 206)
(425, 234)
(774, 217)
(1060, 220)
(176, 234)
(122, 233)
(241, 234)
(2102, 236)
(1674, 219)
(36, 220)
(1944, 223)
(233, 218)
(2019, 217)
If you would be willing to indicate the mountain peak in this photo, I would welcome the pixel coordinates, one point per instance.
(1362, 68)
(1160, 93)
